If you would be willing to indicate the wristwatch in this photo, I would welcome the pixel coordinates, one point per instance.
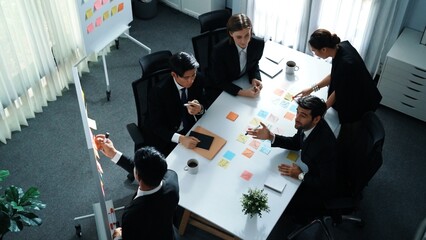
(301, 176)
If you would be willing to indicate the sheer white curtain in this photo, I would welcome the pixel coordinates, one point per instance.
(370, 25)
(40, 41)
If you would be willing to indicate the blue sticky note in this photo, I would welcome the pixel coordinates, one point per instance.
(293, 108)
(284, 104)
(262, 114)
(229, 155)
(265, 150)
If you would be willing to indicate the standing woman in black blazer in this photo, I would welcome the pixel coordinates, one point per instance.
(227, 65)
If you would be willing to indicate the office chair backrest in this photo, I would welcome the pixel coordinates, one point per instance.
(203, 45)
(155, 66)
(213, 20)
(367, 157)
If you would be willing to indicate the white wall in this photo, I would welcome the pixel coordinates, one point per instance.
(416, 17)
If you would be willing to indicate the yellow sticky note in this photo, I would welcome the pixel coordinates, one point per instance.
(114, 10)
(223, 163)
(255, 122)
(89, 13)
(106, 15)
(288, 97)
(292, 156)
(242, 138)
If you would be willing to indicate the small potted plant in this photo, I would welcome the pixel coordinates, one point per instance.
(17, 207)
(254, 202)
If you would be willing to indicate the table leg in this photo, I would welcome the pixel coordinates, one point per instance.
(184, 222)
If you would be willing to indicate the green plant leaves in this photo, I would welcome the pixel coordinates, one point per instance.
(4, 174)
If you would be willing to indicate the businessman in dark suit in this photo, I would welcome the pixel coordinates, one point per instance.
(318, 151)
(175, 105)
(150, 213)
(234, 57)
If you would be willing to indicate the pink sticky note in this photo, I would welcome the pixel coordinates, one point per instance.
(98, 4)
(255, 144)
(246, 175)
(90, 28)
(278, 92)
(98, 21)
(105, 2)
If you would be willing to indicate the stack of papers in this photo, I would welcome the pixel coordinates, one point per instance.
(269, 68)
(276, 182)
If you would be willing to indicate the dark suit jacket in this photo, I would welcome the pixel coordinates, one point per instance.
(151, 217)
(225, 64)
(319, 154)
(165, 112)
(356, 92)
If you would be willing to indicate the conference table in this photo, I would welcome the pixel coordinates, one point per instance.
(212, 197)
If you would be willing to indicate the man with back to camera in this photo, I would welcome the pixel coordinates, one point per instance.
(318, 151)
(175, 105)
(150, 213)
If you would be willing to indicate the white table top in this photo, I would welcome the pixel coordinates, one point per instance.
(215, 192)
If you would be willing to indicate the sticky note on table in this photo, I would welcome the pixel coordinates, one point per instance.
(262, 114)
(120, 7)
(272, 118)
(278, 92)
(255, 122)
(229, 155)
(288, 96)
(289, 116)
(266, 150)
(246, 175)
(232, 116)
(292, 156)
(293, 108)
(248, 153)
(242, 138)
(255, 144)
(223, 163)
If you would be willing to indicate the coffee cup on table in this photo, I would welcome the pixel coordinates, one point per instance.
(191, 166)
(291, 67)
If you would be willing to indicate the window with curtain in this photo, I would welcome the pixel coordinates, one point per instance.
(370, 25)
(39, 44)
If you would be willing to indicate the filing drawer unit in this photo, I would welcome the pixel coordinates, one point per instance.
(403, 79)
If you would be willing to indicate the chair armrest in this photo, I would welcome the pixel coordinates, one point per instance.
(135, 134)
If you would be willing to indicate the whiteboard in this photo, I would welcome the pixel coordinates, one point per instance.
(103, 21)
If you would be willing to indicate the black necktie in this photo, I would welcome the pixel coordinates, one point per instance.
(184, 100)
(302, 138)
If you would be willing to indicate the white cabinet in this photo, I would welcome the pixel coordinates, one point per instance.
(195, 8)
(403, 79)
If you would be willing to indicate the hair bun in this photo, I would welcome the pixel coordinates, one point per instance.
(335, 39)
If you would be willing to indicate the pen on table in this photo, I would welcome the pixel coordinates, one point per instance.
(188, 104)
(254, 129)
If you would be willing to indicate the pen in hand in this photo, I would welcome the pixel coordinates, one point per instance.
(254, 129)
(106, 137)
(187, 105)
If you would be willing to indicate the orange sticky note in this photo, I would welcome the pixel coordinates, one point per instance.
(232, 116)
(246, 175)
(248, 153)
(278, 92)
(120, 7)
(289, 116)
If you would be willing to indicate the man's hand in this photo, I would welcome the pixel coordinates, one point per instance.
(188, 141)
(261, 133)
(249, 92)
(105, 145)
(117, 233)
(256, 84)
(292, 171)
(194, 107)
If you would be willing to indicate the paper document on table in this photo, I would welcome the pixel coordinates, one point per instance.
(276, 182)
(269, 68)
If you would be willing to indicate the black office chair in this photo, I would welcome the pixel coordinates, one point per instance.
(203, 46)
(421, 231)
(364, 162)
(213, 20)
(155, 66)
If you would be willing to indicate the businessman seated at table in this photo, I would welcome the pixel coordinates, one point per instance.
(175, 105)
(317, 143)
(150, 213)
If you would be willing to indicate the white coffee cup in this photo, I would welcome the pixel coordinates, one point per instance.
(291, 67)
(191, 166)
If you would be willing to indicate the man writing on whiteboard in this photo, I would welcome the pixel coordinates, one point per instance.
(318, 151)
(150, 213)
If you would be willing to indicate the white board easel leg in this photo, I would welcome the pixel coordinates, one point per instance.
(108, 90)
